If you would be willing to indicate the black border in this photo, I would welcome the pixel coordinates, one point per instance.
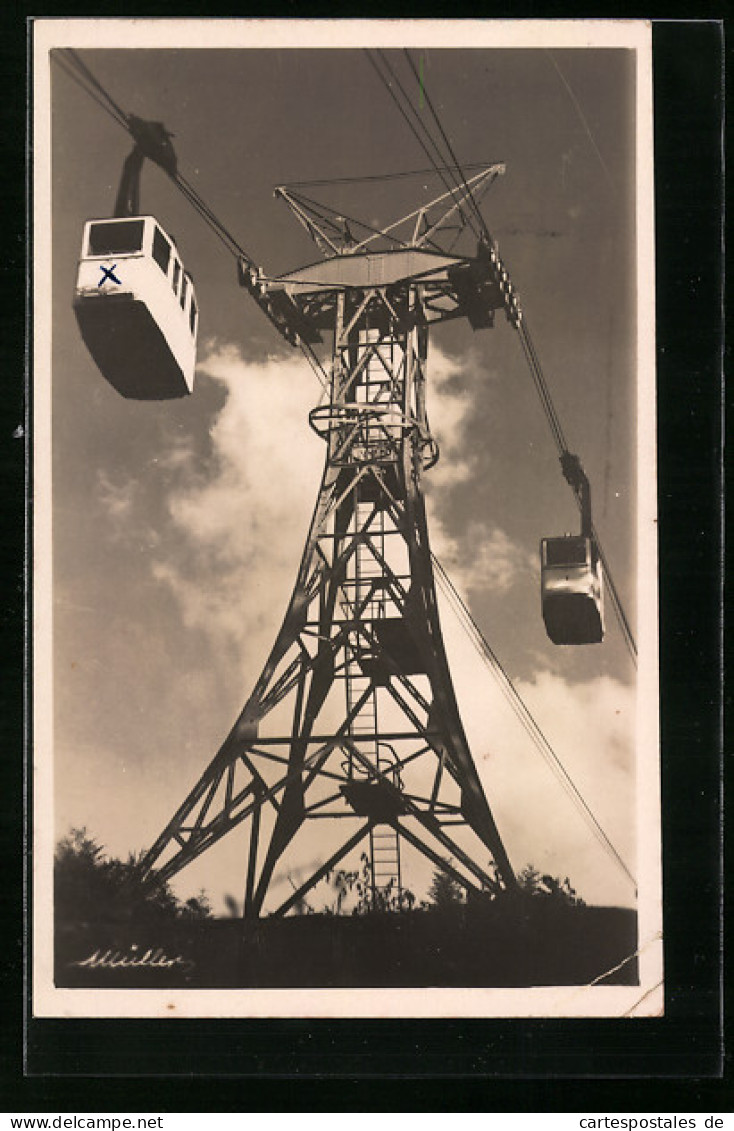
(521, 1065)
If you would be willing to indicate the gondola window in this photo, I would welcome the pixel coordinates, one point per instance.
(161, 250)
(116, 238)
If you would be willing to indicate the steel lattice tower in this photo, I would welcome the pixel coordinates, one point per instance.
(354, 717)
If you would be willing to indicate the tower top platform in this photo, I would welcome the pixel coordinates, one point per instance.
(369, 269)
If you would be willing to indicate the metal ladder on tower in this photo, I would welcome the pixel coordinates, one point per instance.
(385, 863)
(384, 840)
(361, 607)
(375, 389)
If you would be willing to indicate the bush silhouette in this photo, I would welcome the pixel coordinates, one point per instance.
(91, 887)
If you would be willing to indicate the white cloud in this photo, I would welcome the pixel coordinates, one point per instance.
(449, 408)
(498, 561)
(590, 724)
(483, 556)
(494, 561)
(243, 524)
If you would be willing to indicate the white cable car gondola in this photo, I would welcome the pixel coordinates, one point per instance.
(572, 591)
(136, 308)
(134, 302)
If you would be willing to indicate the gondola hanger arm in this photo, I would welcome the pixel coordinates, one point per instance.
(577, 479)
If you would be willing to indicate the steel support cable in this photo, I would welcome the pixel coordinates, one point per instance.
(84, 70)
(415, 122)
(552, 760)
(86, 79)
(452, 171)
(373, 177)
(582, 118)
(221, 236)
(524, 715)
(386, 83)
(542, 386)
(616, 600)
(209, 217)
(437, 168)
(478, 196)
(206, 212)
(238, 252)
(202, 207)
(562, 446)
(312, 358)
(62, 63)
(542, 389)
(457, 166)
(68, 69)
(491, 660)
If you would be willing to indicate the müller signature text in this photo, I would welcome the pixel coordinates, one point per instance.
(152, 958)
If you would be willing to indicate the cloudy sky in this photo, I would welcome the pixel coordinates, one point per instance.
(178, 526)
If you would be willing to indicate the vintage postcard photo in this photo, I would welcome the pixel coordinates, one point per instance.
(345, 582)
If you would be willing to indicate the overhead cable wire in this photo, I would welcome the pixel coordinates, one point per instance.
(561, 443)
(582, 117)
(373, 177)
(616, 600)
(63, 64)
(81, 73)
(525, 717)
(478, 196)
(526, 340)
(541, 386)
(211, 222)
(211, 219)
(452, 171)
(436, 166)
(77, 70)
(457, 166)
(84, 70)
(313, 360)
(530, 351)
(523, 713)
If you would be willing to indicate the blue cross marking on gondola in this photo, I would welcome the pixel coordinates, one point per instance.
(108, 273)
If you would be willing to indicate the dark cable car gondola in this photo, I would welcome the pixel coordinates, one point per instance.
(134, 302)
(572, 589)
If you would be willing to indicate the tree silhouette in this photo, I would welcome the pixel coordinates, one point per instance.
(90, 886)
(533, 883)
(445, 892)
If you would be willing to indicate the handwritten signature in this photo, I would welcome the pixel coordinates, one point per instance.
(152, 958)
